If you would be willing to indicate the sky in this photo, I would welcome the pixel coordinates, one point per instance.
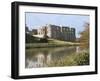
(36, 20)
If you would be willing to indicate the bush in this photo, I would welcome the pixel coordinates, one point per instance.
(43, 40)
(72, 60)
(32, 39)
(82, 59)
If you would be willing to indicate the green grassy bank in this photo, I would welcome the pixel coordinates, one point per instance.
(51, 43)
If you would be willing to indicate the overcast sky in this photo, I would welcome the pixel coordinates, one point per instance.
(36, 20)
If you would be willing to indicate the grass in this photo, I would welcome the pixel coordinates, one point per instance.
(51, 43)
(81, 58)
(58, 41)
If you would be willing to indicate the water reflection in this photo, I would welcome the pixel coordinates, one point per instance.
(41, 57)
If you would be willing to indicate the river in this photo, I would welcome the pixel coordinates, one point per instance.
(41, 57)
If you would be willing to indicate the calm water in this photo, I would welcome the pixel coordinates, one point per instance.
(41, 57)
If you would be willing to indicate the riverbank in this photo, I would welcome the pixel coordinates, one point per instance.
(51, 43)
(44, 45)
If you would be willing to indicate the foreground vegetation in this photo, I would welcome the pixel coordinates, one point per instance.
(75, 59)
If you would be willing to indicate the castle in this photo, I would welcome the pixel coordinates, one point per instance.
(56, 32)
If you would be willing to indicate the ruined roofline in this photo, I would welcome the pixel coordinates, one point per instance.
(61, 26)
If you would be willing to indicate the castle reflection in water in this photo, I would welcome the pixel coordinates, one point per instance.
(41, 57)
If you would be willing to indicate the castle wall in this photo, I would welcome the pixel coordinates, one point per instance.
(57, 32)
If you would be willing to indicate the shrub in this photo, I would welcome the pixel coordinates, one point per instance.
(32, 39)
(43, 40)
(81, 58)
